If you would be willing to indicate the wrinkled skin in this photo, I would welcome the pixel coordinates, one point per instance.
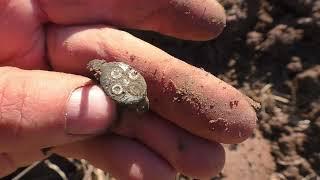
(44, 43)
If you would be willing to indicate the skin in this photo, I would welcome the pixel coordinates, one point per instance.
(43, 61)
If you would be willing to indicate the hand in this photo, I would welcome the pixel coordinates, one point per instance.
(52, 103)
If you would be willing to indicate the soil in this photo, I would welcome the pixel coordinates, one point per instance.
(270, 50)
(251, 159)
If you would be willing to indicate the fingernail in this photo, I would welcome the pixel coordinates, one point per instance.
(89, 111)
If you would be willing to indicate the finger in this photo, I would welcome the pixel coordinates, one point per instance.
(188, 96)
(22, 35)
(41, 109)
(123, 158)
(187, 19)
(188, 154)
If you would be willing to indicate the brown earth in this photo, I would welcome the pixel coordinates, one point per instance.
(270, 50)
(251, 159)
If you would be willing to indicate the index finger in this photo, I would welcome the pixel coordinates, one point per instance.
(185, 19)
(191, 98)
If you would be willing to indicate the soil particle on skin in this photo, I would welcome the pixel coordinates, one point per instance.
(219, 123)
(184, 93)
(254, 104)
(233, 104)
(132, 58)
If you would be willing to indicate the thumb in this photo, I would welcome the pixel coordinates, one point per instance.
(41, 109)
